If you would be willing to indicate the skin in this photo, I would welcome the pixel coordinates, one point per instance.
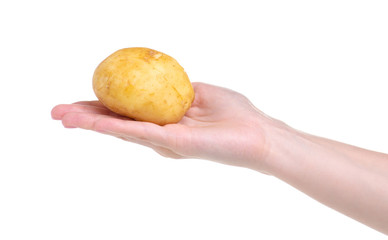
(224, 126)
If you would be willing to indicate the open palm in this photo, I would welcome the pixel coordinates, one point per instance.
(222, 125)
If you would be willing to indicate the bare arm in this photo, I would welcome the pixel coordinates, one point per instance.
(224, 126)
(349, 179)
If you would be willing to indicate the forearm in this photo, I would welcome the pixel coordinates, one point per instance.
(351, 180)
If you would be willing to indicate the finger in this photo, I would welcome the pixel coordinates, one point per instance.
(146, 134)
(59, 111)
(112, 125)
(84, 120)
(90, 103)
(134, 129)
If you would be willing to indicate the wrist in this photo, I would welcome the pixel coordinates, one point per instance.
(283, 147)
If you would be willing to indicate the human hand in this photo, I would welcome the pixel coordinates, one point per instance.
(224, 126)
(221, 125)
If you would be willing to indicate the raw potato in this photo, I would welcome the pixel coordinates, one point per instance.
(143, 84)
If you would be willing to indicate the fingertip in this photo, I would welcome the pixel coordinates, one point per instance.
(57, 112)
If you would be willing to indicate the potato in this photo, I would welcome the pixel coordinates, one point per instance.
(143, 84)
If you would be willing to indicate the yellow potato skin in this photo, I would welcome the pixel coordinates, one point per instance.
(143, 84)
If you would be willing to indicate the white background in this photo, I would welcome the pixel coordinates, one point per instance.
(320, 66)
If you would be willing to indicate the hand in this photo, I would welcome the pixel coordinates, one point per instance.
(224, 126)
(221, 125)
